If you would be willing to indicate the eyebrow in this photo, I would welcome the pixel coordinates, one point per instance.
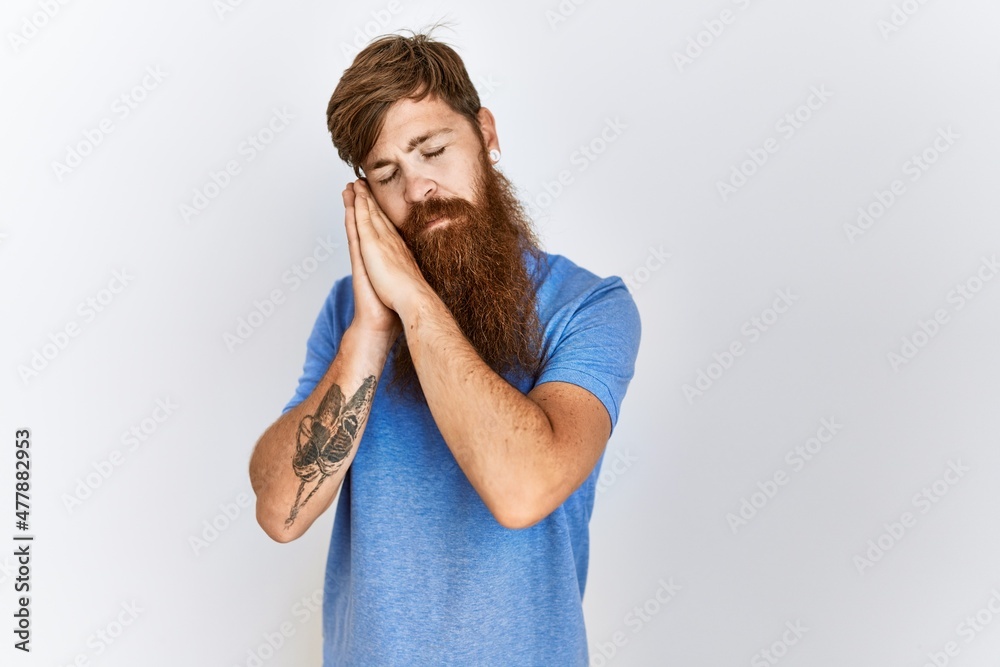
(414, 142)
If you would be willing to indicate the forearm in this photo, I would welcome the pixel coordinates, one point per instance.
(300, 461)
(502, 440)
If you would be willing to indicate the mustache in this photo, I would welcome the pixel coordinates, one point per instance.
(422, 212)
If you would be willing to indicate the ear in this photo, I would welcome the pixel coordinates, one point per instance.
(488, 128)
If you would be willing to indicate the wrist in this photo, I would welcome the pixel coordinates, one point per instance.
(420, 300)
(377, 342)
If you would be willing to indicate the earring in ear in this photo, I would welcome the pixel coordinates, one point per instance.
(495, 155)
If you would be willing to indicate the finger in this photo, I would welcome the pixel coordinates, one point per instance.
(363, 216)
(377, 217)
(380, 219)
(353, 242)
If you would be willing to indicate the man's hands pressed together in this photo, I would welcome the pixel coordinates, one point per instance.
(387, 266)
(370, 313)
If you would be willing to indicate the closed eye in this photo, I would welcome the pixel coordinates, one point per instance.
(390, 179)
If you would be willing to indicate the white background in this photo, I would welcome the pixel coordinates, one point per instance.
(553, 81)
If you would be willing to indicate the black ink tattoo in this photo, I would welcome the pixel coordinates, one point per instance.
(326, 438)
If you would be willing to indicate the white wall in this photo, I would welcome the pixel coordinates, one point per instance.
(686, 461)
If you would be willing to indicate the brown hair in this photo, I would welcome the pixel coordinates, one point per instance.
(390, 68)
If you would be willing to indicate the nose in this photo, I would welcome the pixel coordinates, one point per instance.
(418, 187)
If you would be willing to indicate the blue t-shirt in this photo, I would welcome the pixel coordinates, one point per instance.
(419, 572)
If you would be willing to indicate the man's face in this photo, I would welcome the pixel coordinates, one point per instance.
(426, 152)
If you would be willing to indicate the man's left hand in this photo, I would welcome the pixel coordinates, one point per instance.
(393, 272)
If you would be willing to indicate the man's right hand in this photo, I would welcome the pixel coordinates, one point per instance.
(370, 314)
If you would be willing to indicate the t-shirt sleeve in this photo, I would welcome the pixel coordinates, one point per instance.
(321, 347)
(598, 346)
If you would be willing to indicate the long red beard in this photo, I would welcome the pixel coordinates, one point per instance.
(475, 262)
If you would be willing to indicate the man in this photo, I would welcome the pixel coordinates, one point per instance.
(467, 480)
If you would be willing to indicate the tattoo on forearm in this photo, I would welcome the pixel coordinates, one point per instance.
(326, 438)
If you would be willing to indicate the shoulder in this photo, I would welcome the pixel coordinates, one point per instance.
(592, 331)
(565, 287)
